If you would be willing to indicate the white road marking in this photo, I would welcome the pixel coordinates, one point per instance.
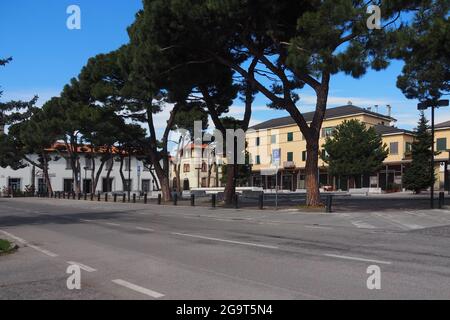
(84, 220)
(361, 224)
(137, 288)
(224, 240)
(46, 252)
(356, 258)
(112, 224)
(82, 266)
(145, 229)
(318, 227)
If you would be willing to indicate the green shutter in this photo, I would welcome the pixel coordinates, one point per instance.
(441, 144)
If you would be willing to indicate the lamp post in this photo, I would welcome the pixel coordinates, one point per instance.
(424, 105)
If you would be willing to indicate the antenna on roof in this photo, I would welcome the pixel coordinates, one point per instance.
(376, 108)
(369, 108)
(389, 108)
(350, 103)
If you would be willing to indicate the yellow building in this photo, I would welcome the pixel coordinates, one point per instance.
(283, 134)
(442, 139)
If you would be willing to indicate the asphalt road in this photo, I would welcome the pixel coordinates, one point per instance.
(137, 251)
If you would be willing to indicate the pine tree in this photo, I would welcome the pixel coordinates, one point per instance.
(354, 150)
(419, 176)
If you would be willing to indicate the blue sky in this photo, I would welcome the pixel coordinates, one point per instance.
(46, 55)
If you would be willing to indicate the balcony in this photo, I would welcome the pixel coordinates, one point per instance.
(289, 165)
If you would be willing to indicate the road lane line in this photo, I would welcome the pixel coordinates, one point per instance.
(356, 258)
(24, 242)
(227, 241)
(84, 220)
(145, 229)
(362, 225)
(112, 224)
(319, 227)
(137, 288)
(82, 266)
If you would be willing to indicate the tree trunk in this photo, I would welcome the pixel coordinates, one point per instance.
(122, 176)
(45, 174)
(312, 179)
(230, 188)
(154, 179)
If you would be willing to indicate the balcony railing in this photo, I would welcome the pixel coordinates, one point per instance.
(289, 164)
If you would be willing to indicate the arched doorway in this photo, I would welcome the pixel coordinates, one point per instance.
(186, 184)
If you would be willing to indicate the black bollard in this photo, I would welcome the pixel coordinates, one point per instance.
(134, 197)
(106, 197)
(213, 200)
(175, 198)
(74, 195)
(115, 197)
(261, 200)
(441, 199)
(236, 201)
(329, 203)
(98, 196)
(92, 196)
(124, 198)
(193, 200)
(159, 198)
(59, 194)
(79, 196)
(85, 196)
(145, 198)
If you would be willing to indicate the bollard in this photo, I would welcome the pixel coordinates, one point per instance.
(59, 194)
(329, 202)
(115, 197)
(98, 196)
(175, 199)
(74, 195)
(85, 196)
(79, 196)
(236, 201)
(64, 195)
(124, 198)
(92, 197)
(159, 198)
(441, 199)
(134, 197)
(145, 198)
(193, 200)
(261, 200)
(213, 200)
(106, 197)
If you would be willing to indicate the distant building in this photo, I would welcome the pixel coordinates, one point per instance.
(199, 167)
(442, 138)
(284, 134)
(62, 179)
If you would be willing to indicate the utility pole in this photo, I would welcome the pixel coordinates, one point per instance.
(424, 106)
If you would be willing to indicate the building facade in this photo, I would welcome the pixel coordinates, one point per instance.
(283, 134)
(442, 159)
(197, 167)
(61, 176)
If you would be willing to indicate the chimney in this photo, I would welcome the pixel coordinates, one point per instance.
(369, 108)
(389, 108)
(376, 108)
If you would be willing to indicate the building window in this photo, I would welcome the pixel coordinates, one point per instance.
(68, 185)
(408, 147)
(324, 154)
(127, 164)
(146, 185)
(127, 185)
(109, 164)
(273, 139)
(258, 160)
(290, 156)
(327, 132)
(14, 184)
(204, 182)
(68, 164)
(204, 167)
(107, 184)
(186, 167)
(258, 141)
(290, 136)
(87, 163)
(304, 155)
(441, 144)
(393, 148)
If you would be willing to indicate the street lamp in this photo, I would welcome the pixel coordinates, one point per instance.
(424, 105)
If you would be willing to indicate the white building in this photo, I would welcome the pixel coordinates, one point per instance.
(61, 176)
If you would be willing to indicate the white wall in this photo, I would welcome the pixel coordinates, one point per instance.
(58, 172)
